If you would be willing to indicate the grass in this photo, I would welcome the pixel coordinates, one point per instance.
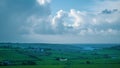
(75, 59)
(68, 66)
(11, 54)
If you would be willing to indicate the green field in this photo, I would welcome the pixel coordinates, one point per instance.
(67, 57)
(65, 66)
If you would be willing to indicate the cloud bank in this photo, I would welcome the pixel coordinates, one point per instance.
(36, 23)
(77, 22)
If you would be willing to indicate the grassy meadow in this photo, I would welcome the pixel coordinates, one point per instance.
(14, 55)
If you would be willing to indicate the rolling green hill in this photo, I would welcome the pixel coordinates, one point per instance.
(44, 56)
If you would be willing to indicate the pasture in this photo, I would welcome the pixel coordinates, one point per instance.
(47, 56)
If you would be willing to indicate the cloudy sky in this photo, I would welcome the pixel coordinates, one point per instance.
(60, 21)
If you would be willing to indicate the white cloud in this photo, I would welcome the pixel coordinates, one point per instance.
(77, 18)
(35, 21)
(68, 22)
(100, 32)
(58, 21)
(106, 4)
(43, 2)
(76, 22)
(73, 22)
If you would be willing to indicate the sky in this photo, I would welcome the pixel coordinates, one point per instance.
(60, 21)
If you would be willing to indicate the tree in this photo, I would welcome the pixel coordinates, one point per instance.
(28, 63)
(87, 62)
(6, 63)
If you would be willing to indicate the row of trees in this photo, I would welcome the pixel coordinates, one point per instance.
(9, 63)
